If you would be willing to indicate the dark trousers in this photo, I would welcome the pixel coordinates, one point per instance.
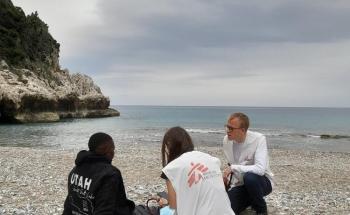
(250, 194)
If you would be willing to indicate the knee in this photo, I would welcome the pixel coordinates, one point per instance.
(250, 178)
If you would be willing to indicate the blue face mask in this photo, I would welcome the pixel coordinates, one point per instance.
(167, 211)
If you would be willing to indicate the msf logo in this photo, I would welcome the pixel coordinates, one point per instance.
(196, 173)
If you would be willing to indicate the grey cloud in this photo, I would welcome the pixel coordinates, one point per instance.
(230, 23)
(258, 52)
(179, 36)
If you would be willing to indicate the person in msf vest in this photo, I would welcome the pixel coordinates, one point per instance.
(247, 154)
(193, 179)
(95, 186)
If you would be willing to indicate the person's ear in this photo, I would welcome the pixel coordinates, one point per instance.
(110, 150)
(110, 154)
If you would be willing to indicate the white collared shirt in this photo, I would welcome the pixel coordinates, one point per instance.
(249, 156)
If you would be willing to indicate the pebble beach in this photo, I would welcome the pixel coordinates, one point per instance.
(34, 181)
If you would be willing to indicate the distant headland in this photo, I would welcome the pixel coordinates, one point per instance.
(33, 87)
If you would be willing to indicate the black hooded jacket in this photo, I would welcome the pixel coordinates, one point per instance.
(95, 186)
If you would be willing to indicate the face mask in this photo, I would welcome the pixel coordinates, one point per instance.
(166, 211)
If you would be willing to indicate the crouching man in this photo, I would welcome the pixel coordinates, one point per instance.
(95, 186)
(246, 152)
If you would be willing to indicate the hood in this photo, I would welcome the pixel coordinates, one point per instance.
(90, 157)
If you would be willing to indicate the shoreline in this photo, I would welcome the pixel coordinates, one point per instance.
(34, 181)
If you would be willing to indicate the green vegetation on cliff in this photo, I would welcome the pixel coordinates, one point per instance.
(33, 88)
(25, 41)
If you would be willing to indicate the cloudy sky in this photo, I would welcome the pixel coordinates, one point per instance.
(205, 52)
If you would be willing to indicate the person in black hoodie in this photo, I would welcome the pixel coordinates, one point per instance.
(95, 186)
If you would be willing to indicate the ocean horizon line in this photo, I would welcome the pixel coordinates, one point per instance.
(228, 106)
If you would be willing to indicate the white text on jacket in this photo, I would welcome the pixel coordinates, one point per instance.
(80, 181)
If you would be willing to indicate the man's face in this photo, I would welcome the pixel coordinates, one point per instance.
(234, 131)
(110, 150)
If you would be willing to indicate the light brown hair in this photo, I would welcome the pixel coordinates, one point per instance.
(243, 119)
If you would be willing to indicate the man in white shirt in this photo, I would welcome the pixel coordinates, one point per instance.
(246, 152)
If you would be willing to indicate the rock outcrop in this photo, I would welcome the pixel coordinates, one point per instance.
(26, 97)
(33, 88)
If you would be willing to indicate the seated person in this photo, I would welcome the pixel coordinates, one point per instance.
(95, 186)
(193, 179)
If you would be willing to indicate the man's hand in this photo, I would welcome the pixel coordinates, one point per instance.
(227, 172)
(225, 177)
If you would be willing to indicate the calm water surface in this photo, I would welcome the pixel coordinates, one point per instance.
(299, 128)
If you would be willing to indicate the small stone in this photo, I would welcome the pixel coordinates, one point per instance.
(3, 65)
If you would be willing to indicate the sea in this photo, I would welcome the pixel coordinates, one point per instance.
(316, 129)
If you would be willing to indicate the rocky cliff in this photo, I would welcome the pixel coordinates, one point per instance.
(33, 88)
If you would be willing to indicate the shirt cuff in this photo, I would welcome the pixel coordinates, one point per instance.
(235, 168)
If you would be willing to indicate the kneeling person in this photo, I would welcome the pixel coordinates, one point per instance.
(246, 152)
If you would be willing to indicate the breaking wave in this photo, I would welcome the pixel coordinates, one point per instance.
(272, 133)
